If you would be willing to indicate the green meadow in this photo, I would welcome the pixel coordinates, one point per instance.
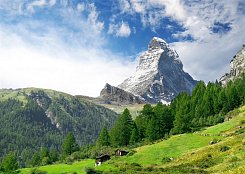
(185, 153)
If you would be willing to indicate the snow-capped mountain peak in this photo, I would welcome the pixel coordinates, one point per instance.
(159, 75)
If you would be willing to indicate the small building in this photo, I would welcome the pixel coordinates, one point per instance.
(102, 158)
(120, 152)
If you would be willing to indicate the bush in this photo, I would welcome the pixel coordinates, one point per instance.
(205, 162)
(131, 152)
(135, 165)
(91, 170)
(166, 159)
(242, 122)
(224, 148)
(37, 171)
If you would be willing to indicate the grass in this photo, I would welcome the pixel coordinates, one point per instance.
(222, 127)
(189, 153)
(173, 147)
(78, 167)
(133, 108)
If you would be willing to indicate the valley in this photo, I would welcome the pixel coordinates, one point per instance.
(200, 131)
(184, 153)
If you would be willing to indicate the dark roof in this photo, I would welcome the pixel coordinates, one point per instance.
(101, 156)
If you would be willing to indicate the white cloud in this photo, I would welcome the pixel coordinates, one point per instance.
(76, 71)
(52, 2)
(80, 7)
(37, 3)
(97, 25)
(207, 57)
(120, 30)
(124, 6)
(48, 55)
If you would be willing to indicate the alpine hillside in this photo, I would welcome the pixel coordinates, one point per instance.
(237, 67)
(159, 75)
(31, 118)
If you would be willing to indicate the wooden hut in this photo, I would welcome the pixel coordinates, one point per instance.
(120, 152)
(102, 158)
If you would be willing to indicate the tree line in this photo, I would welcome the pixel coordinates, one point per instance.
(206, 106)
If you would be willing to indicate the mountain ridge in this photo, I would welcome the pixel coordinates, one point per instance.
(48, 116)
(159, 75)
(113, 95)
(237, 67)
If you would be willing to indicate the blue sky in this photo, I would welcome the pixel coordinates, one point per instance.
(76, 46)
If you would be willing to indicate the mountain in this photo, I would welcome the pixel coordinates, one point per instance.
(237, 66)
(33, 117)
(111, 94)
(159, 75)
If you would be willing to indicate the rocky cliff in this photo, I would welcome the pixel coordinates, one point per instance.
(237, 66)
(159, 75)
(111, 95)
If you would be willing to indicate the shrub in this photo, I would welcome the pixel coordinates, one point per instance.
(131, 152)
(37, 171)
(242, 122)
(91, 170)
(224, 148)
(135, 165)
(206, 162)
(166, 159)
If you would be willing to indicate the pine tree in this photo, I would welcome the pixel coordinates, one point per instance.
(182, 122)
(143, 119)
(104, 138)
(44, 154)
(53, 154)
(10, 163)
(36, 159)
(134, 138)
(152, 130)
(69, 145)
(120, 133)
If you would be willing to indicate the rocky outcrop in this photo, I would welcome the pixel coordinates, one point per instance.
(237, 66)
(159, 75)
(113, 95)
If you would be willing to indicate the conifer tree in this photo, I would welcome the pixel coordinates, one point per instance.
(69, 145)
(53, 154)
(134, 138)
(10, 163)
(121, 132)
(104, 138)
(152, 130)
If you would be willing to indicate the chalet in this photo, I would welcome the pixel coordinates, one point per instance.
(119, 152)
(102, 158)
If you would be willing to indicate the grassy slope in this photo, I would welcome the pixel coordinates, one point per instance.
(190, 152)
(134, 108)
(62, 168)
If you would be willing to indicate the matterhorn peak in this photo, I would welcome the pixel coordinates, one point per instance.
(159, 75)
(157, 43)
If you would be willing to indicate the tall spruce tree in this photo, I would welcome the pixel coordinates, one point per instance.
(134, 138)
(121, 132)
(152, 130)
(182, 122)
(69, 145)
(10, 163)
(53, 154)
(104, 138)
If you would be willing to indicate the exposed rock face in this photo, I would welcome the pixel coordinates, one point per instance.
(237, 65)
(159, 75)
(110, 94)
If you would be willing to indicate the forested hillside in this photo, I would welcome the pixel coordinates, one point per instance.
(206, 106)
(31, 118)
